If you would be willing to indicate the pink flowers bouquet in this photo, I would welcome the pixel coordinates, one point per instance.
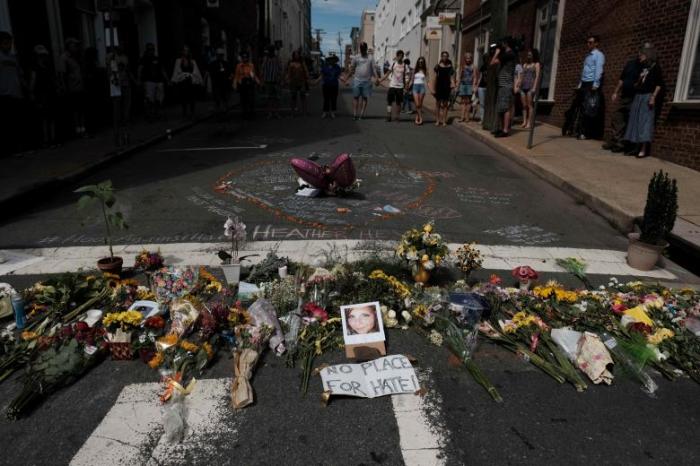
(170, 283)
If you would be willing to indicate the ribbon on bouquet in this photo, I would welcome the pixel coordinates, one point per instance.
(243, 363)
(173, 384)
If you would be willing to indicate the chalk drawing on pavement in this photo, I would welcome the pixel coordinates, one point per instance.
(388, 190)
(525, 234)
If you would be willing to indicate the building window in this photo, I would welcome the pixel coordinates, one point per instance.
(549, 44)
(688, 85)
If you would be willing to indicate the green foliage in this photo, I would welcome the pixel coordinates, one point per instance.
(661, 208)
(103, 194)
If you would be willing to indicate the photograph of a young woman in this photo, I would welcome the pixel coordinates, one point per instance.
(362, 323)
(361, 320)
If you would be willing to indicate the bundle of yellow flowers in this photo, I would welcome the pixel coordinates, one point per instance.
(399, 287)
(127, 320)
(557, 291)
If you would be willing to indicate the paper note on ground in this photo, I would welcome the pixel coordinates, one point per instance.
(389, 375)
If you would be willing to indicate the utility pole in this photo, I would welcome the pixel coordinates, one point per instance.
(318, 32)
(340, 47)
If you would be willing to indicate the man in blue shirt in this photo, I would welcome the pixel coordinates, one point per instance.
(590, 97)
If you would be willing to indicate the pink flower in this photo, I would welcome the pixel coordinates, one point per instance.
(524, 273)
(316, 312)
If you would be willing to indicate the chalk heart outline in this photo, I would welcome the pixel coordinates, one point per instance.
(258, 183)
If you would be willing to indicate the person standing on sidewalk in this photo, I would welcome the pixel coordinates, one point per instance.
(272, 75)
(187, 77)
(298, 80)
(505, 58)
(220, 74)
(120, 91)
(244, 81)
(491, 122)
(649, 84)
(11, 96)
(529, 83)
(623, 96)
(330, 75)
(363, 70)
(73, 84)
(443, 84)
(589, 95)
(42, 94)
(407, 95)
(418, 86)
(151, 74)
(468, 80)
(481, 87)
(397, 85)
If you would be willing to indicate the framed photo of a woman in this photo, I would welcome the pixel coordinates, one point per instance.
(362, 323)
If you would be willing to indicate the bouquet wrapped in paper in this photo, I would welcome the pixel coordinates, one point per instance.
(250, 341)
(175, 409)
(183, 315)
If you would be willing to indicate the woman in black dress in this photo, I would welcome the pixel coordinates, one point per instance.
(443, 83)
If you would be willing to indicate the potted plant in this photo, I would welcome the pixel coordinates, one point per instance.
(660, 212)
(103, 194)
(234, 229)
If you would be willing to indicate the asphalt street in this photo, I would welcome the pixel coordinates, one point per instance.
(182, 190)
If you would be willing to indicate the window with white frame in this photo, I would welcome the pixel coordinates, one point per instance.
(688, 85)
(549, 44)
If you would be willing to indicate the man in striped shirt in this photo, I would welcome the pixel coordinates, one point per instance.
(272, 75)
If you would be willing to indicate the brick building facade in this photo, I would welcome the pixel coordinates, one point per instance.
(622, 26)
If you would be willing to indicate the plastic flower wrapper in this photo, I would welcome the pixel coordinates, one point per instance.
(175, 409)
(250, 341)
(263, 314)
(183, 315)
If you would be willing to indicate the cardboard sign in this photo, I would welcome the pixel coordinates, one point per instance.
(389, 375)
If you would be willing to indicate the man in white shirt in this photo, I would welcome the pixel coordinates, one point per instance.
(364, 70)
(397, 84)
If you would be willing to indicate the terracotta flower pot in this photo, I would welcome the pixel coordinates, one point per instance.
(110, 265)
(422, 276)
(641, 255)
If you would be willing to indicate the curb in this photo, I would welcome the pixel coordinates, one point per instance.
(17, 202)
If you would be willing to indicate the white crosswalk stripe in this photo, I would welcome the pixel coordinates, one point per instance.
(496, 257)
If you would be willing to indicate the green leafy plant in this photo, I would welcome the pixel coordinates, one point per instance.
(103, 194)
(660, 210)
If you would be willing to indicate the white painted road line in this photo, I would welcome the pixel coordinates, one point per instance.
(204, 149)
(132, 433)
(422, 440)
(496, 257)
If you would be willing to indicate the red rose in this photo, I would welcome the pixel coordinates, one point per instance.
(67, 331)
(155, 322)
(81, 327)
(641, 328)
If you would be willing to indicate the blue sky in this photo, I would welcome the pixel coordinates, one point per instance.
(335, 16)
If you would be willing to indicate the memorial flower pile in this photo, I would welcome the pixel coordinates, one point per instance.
(179, 320)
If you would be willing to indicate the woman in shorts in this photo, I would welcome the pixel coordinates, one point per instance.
(420, 78)
(467, 83)
(297, 77)
(529, 80)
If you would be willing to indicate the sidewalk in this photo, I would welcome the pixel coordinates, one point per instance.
(35, 173)
(612, 185)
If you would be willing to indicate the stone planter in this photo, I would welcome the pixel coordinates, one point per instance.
(643, 256)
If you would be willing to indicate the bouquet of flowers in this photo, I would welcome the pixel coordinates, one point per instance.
(250, 341)
(170, 283)
(468, 259)
(422, 249)
(149, 261)
(120, 326)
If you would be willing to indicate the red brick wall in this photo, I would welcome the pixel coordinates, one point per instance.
(623, 26)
